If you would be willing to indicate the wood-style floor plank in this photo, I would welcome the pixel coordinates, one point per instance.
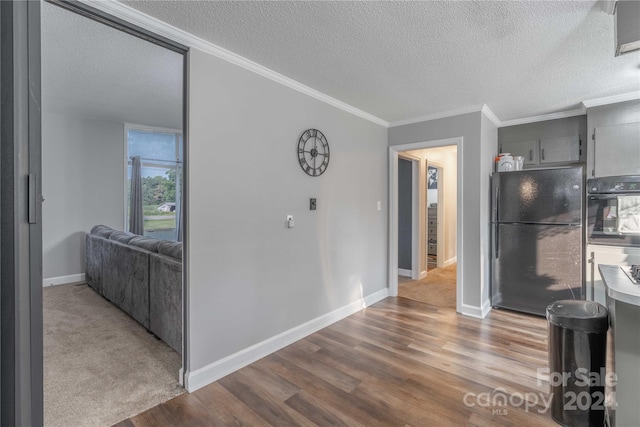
(396, 363)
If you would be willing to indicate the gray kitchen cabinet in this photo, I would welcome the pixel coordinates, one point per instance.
(527, 149)
(563, 149)
(617, 150)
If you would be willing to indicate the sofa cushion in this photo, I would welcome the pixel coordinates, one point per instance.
(171, 249)
(146, 243)
(121, 236)
(102, 231)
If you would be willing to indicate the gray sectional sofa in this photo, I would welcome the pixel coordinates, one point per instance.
(140, 275)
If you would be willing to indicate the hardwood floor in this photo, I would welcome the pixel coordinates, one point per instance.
(396, 363)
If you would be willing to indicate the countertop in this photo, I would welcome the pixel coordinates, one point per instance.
(618, 284)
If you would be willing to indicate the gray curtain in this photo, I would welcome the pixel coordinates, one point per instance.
(136, 218)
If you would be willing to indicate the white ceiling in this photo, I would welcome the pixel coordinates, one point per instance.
(93, 70)
(400, 60)
(394, 60)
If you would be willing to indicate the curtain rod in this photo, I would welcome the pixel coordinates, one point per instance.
(156, 160)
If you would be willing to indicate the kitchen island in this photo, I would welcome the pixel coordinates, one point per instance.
(623, 303)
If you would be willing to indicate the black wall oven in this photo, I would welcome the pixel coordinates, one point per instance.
(613, 211)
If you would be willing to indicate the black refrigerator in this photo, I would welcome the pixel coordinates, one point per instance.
(537, 238)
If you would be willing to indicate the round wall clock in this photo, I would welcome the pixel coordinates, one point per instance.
(313, 152)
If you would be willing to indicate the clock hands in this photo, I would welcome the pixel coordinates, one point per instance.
(317, 153)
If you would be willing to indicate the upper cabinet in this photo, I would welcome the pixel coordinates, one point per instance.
(549, 143)
(545, 150)
(564, 149)
(617, 150)
(614, 139)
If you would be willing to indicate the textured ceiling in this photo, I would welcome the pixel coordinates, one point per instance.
(395, 60)
(400, 60)
(96, 71)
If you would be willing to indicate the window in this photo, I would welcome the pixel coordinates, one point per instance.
(160, 152)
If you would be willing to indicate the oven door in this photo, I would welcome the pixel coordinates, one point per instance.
(614, 219)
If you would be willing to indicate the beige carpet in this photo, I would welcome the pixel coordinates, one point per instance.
(438, 288)
(100, 366)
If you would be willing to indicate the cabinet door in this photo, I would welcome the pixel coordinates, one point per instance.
(617, 150)
(564, 149)
(527, 149)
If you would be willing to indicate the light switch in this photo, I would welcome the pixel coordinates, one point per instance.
(312, 204)
(290, 222)
(379, 205)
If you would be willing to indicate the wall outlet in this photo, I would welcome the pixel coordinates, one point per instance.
(290, 223)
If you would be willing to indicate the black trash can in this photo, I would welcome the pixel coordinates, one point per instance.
(577, 356)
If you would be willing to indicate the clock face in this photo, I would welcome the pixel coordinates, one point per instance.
(313, 152)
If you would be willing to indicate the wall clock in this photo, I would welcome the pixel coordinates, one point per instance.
(313, 152)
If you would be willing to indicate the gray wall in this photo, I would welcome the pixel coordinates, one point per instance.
(568, 126)
(405, 196)
(82, 183)
(250, 277)
(478, 158)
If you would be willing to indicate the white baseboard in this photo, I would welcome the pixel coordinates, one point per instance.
(216, 370)
(404, 272)
(450, 261)
(475, 311)
(422, 275)
(63, 280)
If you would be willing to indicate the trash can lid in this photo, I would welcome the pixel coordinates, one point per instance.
(585, 316)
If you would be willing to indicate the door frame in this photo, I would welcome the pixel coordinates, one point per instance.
(394, 152)
(21, 373)
(415, 213)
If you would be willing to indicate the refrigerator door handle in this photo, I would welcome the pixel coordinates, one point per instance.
(496, 246)
(496, 205)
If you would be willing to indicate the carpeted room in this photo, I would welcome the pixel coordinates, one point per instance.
(101, 365)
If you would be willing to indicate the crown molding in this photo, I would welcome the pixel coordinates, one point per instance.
(133, 16)
(441, 115)
(611, 99)
(490, 115)
(551, 116)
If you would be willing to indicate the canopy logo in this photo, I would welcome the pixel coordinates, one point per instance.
(499, 400)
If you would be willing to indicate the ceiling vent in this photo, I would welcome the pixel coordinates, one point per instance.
(627, 27)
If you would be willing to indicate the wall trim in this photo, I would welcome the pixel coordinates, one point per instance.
(441, 115)
(543, 117)
(404, 272)
(63, 280)
(208, 374)
(611, 99)
(450, 261)
(490, 115)
(163, 29)
(475, 311)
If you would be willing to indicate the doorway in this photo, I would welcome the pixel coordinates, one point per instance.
(446, 213)
(118, 91)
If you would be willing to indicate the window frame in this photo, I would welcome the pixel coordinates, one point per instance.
(127, 161)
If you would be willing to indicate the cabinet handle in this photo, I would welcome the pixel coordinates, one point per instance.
(531, 155)
(543, 154)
